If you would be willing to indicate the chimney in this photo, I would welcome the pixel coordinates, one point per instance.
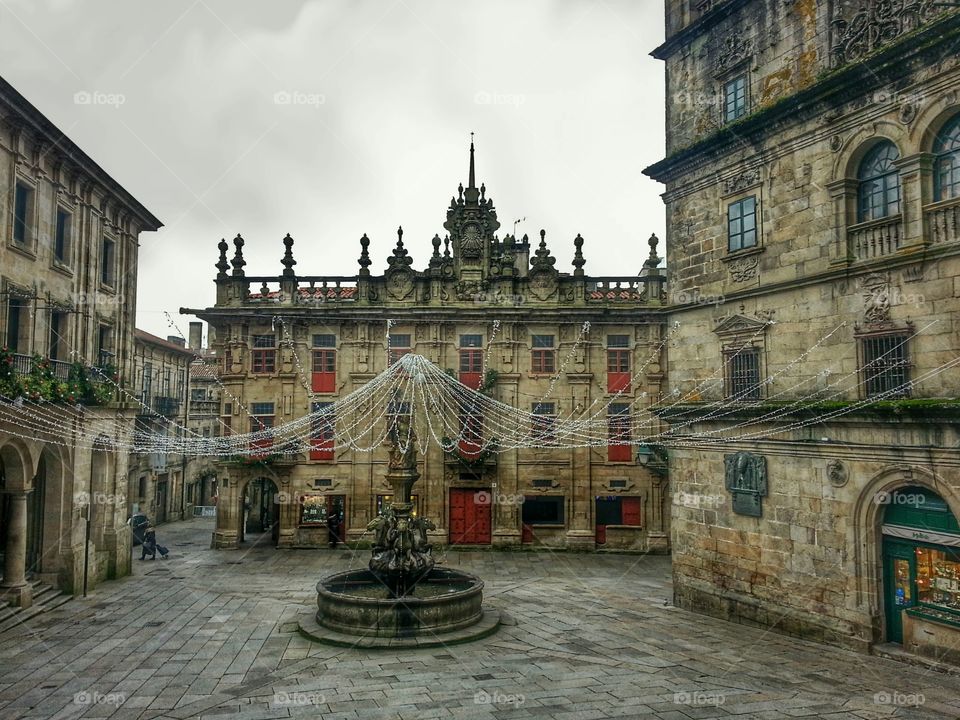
(196, 335)
(176, 340)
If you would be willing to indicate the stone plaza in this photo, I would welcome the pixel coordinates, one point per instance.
(212, 634)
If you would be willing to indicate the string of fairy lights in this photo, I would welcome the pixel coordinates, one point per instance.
(472, 421)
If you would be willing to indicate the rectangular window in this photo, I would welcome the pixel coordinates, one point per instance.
(938, 577)
(542, 510)
(742, 224)
(618, 364)
(619, 510)
(107, 262)
(261, 420)
(619, 448)
(61, 242)
(263, 357)
(886, 366)
(105, 346)
(22, 212)
(743, 373)
(17, 325)
(321, 431)
(543, 355)
(544, 421)
(226, 420)
(735, 99)
(471, 361)
(324, 371)
(471, 433)
(399, 346)
(58, 328)
(325, 341)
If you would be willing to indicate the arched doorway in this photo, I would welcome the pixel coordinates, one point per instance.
(920, 558)
(260, 512)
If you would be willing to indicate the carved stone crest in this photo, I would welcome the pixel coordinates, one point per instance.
(875, 289)
(471, 247)
(745, 477)
(859, 28)
(744, 269)
(733, 50)
(837, 473)
(739, 182)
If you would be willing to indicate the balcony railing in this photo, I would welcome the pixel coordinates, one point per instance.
(943, 223)
(875, 238)
(166, 406)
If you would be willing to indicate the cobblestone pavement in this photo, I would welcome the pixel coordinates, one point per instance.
(212, 635)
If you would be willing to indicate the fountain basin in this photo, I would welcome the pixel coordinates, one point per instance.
(355, 602)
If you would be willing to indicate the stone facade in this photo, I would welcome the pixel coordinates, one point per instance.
(68, 269)
(288, 341)
(162, 376)
(830, 128)
(203, 420)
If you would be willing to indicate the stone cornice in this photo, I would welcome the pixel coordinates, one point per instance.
(838, 86)
(698, 27)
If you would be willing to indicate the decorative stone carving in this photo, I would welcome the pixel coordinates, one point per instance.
(859, 28)
(732, 51)
(908, 113)
(744, 269)
(745, 477)
(875, 289)
(836, 142)
(837, 473)
(742, 181)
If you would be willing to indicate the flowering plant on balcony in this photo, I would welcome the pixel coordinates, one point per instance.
(41, 384)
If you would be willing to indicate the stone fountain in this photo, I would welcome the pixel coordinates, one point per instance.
(402, 597)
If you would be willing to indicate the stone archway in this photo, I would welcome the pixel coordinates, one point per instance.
(17, 470)
(868, 519)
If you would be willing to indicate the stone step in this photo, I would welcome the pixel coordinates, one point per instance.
(45, 598)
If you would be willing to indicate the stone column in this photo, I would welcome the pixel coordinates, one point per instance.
(15, 589)
(658, 539)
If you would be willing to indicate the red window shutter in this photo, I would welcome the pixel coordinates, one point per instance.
(472, 380)
(321, 449)
(630, 510)
(323, 382)
(618, 382)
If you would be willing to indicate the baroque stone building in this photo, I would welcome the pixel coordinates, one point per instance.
(291, 343)
(68, 269)
(813, 207)
(203, 420)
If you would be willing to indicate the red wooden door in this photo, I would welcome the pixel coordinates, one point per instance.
(469, 519)
(630, 507)
(601, 534)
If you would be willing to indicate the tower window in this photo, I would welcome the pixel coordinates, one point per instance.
(735, 98)
(878, 192)
(742, 224)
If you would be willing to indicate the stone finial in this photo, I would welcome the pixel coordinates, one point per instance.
(222, 265)
(543, 260)
(264, 291)
(238, 262)
(288, 262)
(652, 261)
(578, 259)
(401, 258)
(436, 259)
(483, 192)
(460, 190)
(364, 255)
(446, 247)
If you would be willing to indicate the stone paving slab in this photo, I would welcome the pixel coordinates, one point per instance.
(591, 636)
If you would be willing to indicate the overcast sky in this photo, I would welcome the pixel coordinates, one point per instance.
(328, 119)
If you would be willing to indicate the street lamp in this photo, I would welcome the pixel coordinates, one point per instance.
(653, 457)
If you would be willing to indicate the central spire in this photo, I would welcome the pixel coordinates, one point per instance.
(472, 183)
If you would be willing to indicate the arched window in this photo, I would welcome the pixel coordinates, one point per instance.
(879, 191)
(947, 165)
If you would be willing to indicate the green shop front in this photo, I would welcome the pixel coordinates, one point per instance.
(921, 573)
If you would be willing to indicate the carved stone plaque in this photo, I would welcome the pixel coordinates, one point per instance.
(745, 477)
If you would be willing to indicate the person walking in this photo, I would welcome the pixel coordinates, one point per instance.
(333, 530)
(150, 546)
